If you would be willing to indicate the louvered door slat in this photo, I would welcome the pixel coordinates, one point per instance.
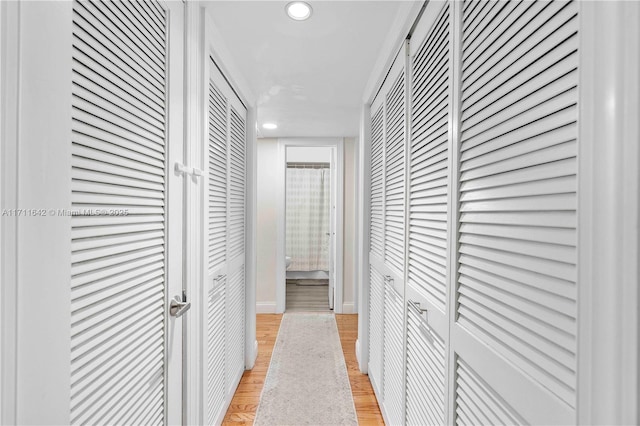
(394, 186)
(89, 36)
(95, 125)
(150, 43)
(216, 350)
(217, 191)
(235, 329)
(393, 376)
(425, 386)
(118, 263)
(151, 13)
(236, 185)
(376, 331)
(97, 99)
(518, 190)
(377, 183)
(115, 16)
(478, 404)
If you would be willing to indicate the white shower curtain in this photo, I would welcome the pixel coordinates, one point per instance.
(308, 219)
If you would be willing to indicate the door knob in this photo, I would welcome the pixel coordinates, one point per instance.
(177, 307)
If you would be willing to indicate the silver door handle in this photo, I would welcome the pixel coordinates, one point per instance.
(416, 306)
(177, 307)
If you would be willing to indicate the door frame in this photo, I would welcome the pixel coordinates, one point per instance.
(281, 202)
(175, 328)
(9, 16)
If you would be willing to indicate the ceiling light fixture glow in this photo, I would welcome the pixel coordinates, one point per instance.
(270, 126)
(299, 10)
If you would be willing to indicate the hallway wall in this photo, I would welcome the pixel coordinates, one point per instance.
(266, 225)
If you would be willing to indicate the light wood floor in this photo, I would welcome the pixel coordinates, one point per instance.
(245, 402)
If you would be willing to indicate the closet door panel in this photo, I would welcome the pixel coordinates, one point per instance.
(377, 183)
(119, 232)
(225, 244)
(235, 247)
(376, 329)
(425, 377)
(427, 293)
(516, 297)
(237, 179)
(216, 347)
(393, 363)
(429, 161)
(394, 175)
(217, 179)
(235, 330)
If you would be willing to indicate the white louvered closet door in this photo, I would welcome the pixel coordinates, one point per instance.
(427, 290)
(376, 291)
(376, 329)
(225, 225)
(123, 137)
(515, 335)
(377, 184)
(393, 363)
(215, 353)
(217, 181)
(388, 170)
(217, 294)
(235, 249)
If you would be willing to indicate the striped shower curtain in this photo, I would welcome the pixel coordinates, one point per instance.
(308, 219)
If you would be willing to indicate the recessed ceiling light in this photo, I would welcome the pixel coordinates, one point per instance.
(299, 10)
(270, 126)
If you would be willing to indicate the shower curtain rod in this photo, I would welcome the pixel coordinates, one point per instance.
(308, 166)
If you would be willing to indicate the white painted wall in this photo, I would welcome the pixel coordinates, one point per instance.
(311, 154)
(267, 172)
(350, 247)
(266, 223)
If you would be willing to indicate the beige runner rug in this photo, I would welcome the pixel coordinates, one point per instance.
(307, 381)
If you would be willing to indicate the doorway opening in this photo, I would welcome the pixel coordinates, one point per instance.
(310, 221)
(308, 229)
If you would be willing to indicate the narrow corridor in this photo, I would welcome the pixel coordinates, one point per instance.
(245, 402)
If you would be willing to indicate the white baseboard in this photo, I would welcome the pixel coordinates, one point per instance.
(349, 308)
(265, 307)
(358, 350)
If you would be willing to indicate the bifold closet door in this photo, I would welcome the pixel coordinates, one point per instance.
(393, 365)
(216, 380)
(430, 144)
(225, 245)
(123, 128)
(514, 340)
(215, 352)
(236, 244)
(376, 292)
(387, 250)
(376, 329)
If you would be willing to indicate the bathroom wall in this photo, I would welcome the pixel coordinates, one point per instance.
(308, 154)
(266, 232)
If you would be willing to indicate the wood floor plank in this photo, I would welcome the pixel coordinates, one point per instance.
(244, 405)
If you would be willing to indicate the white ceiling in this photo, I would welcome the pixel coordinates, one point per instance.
(309, 76)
